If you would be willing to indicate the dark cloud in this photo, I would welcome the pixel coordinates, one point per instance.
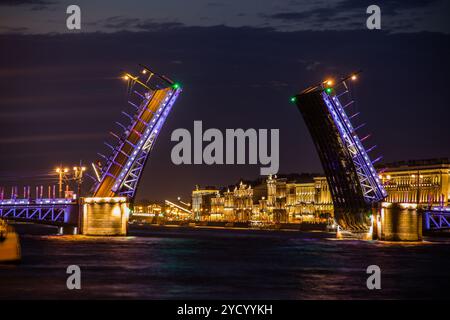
(389, 7)
(350, 8)
(290, 16)
(352, 14)
(149, 25)
(7, 29)
(293, 15)
(36, 5)
(122, 23)
(321, 18)
(24, 2)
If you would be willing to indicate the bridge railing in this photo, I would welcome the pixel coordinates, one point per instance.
(26, 201)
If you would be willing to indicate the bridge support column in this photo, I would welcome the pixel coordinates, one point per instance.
(104, 216)
(398, 222)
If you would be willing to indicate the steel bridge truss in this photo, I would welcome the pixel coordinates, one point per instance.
(354, 183)
(373, 190)
(121, 175)
(128, 179)
(437, 219)
(53, 214)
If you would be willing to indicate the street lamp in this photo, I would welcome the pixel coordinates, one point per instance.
(61, 173)
(128, 77)
(78, 176)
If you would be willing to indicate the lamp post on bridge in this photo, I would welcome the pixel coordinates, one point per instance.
(78, 175)
(61, 173)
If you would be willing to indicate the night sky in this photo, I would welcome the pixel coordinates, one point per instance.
(239, 63)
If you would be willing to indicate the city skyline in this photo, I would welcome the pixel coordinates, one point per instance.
(301, 197)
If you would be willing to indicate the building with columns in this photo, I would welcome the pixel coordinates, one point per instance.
(275, 200)
(424, 182)
(279, 200)
(201, 202)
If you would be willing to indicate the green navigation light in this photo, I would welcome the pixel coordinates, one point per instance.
(293, 99)
(176, 85)
(329, 90)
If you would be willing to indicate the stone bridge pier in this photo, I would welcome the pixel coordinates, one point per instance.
(104, 216)
(397, 222)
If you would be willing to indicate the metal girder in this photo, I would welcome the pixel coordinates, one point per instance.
(54, 214)
(371, 185)
(353, 181)
(131, 175)
(123, 170)
(437, 220)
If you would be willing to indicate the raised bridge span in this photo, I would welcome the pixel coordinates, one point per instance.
(354, 183)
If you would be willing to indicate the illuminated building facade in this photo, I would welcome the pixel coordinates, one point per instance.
(423, 182)
(277, 200)
(155, 213)
(152, 208)
(201, 202)
(308, 201)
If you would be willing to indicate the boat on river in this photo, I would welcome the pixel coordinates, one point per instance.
(9, 244)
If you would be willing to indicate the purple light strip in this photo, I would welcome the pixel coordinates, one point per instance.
(346, 129)
(152, 130)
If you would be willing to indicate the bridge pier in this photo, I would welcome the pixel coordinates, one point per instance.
(389, 222)
(104, 216)
(398, 222)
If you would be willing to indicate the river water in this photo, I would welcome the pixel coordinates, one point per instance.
(181, 263)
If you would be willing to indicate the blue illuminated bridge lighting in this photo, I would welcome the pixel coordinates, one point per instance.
(354, 183)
